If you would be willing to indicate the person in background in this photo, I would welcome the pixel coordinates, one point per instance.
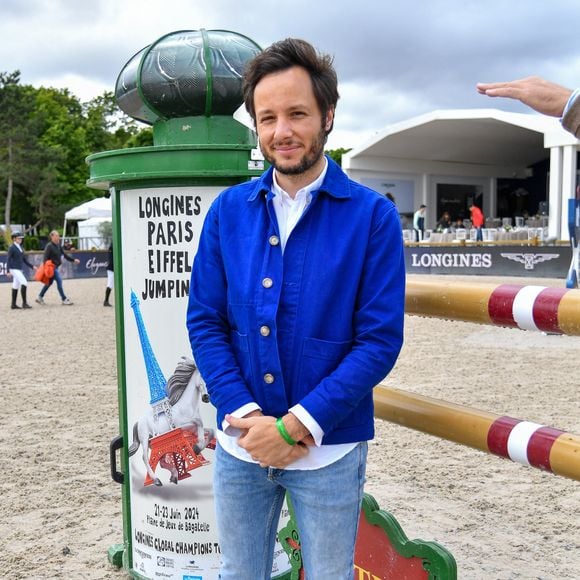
(110, 276)
(54, 252)
(477, 220)
(543, 96)
(444, 222)
(15, 261)
(419, 223)
(295, 313)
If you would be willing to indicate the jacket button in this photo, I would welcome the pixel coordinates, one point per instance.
(274, 240)
(265, 330)
(267, 283)
(268, 378)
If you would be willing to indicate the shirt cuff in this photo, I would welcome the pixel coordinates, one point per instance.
(571, 100)
(308, 421)
(239, 413)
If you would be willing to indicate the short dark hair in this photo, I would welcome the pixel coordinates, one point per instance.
(286, 54)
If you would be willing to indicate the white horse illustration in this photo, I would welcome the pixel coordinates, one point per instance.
(185, 391)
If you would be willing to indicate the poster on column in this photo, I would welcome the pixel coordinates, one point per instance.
(171, 424)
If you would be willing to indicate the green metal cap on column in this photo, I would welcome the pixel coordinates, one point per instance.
(187, 85)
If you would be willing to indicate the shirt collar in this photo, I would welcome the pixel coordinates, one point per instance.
(303, 193)
(334, 182)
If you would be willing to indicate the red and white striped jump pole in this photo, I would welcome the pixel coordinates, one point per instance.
(525, 442)
(554, 310)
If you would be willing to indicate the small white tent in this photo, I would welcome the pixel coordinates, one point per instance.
(90, 235)
(99, 207)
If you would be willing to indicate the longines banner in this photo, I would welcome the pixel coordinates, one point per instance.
(92, 265)
(533, 262)
(524, 261)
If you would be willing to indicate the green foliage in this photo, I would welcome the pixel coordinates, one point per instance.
(20, 153)
(144, 138)
(31, 243)
(45, 136)
(336, 154)
(105, 230)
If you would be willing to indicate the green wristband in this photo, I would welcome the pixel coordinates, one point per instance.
(284, 432)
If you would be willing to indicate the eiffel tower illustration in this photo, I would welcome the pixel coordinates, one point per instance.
(157, 382)
(173, 449)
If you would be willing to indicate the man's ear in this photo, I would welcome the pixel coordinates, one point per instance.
(329, 119)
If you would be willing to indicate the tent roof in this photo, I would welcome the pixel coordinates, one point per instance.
(98, 207)
(479, 136)
(93, 221)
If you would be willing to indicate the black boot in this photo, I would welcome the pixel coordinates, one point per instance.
(107, 294)
(23, 292)
(14, 296)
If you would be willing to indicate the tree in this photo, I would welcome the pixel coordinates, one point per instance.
(45, 136)
(336, 154)
(62, 133)
(105, 230)
(20, 152)
(109, 128)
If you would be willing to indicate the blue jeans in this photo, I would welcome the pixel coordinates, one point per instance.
(326, 502)
(59, 287)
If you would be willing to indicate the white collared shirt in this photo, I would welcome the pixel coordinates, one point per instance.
(288, 213)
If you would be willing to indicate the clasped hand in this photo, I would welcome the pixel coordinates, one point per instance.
(261, 439)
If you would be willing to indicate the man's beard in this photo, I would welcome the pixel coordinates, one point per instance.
(309, 159)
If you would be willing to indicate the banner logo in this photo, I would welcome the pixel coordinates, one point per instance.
(529, 260)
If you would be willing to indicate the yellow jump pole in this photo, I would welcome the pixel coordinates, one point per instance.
(554, 310)
(524, 442)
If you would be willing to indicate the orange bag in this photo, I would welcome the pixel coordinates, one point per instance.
(45, 272)
(39, 274)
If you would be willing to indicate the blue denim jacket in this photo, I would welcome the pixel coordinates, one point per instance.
(319, 325)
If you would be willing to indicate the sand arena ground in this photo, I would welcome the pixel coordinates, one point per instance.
(61, 511)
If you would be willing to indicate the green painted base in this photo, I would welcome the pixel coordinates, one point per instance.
(382, 551)
(115, 555)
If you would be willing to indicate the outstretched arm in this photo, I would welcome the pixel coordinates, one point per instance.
(541, 95)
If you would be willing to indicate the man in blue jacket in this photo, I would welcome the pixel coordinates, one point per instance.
(295, 313)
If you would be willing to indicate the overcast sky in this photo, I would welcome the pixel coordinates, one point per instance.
(395, 58)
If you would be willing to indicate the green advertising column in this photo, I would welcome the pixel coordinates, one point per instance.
(187, 85)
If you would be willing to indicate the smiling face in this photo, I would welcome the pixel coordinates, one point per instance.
(290, 126)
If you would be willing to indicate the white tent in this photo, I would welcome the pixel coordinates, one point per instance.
(470, 147)
(99, 207)
(90, 235)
